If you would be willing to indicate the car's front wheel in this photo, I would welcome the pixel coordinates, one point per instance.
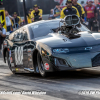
(41, 66)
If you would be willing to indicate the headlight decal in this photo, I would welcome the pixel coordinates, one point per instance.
(61, 50)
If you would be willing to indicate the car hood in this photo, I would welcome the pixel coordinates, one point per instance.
(58, 40)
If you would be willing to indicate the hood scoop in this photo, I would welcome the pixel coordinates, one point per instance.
(69, 27)
(71, 33)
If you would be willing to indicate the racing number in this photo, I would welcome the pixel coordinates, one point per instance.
(19, 55)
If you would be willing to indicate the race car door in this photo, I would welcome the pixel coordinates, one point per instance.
(20, 49)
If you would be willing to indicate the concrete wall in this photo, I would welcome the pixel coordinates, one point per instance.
(46, 5)
(10, 6)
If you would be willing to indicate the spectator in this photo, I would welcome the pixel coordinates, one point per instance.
(69, 10)
(98, 13)
(17, 21)
(8, 21)
(29, 16)
(57, 11)
(79, 8)
(51, 15)
(91, 14)
(36, 14)
(2, 34)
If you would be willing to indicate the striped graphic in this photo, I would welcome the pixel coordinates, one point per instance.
(19, 55)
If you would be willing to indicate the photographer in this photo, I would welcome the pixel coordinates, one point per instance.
(2, 34)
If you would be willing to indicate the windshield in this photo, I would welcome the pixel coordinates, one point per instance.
(44, 29)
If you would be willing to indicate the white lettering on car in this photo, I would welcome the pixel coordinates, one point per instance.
(19, 55)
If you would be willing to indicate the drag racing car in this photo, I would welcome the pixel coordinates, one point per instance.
(52, 45)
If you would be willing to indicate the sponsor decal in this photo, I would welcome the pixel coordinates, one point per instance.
(17, 69)
(46, 65)
(19, 55)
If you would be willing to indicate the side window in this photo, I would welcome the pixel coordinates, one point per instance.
(40, 30)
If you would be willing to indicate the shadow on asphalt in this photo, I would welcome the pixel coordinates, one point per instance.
(74, 74)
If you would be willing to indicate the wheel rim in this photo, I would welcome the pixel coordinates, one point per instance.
(42, 70)
(42, 67)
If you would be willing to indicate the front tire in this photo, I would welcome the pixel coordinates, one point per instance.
(41, 66)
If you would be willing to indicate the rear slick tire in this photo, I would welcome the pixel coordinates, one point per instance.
(8, 61)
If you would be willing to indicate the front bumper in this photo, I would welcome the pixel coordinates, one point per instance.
(77, 60)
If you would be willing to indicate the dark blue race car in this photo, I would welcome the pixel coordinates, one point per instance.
(46, 46)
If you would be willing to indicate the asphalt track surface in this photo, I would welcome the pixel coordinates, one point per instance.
(69, 85)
